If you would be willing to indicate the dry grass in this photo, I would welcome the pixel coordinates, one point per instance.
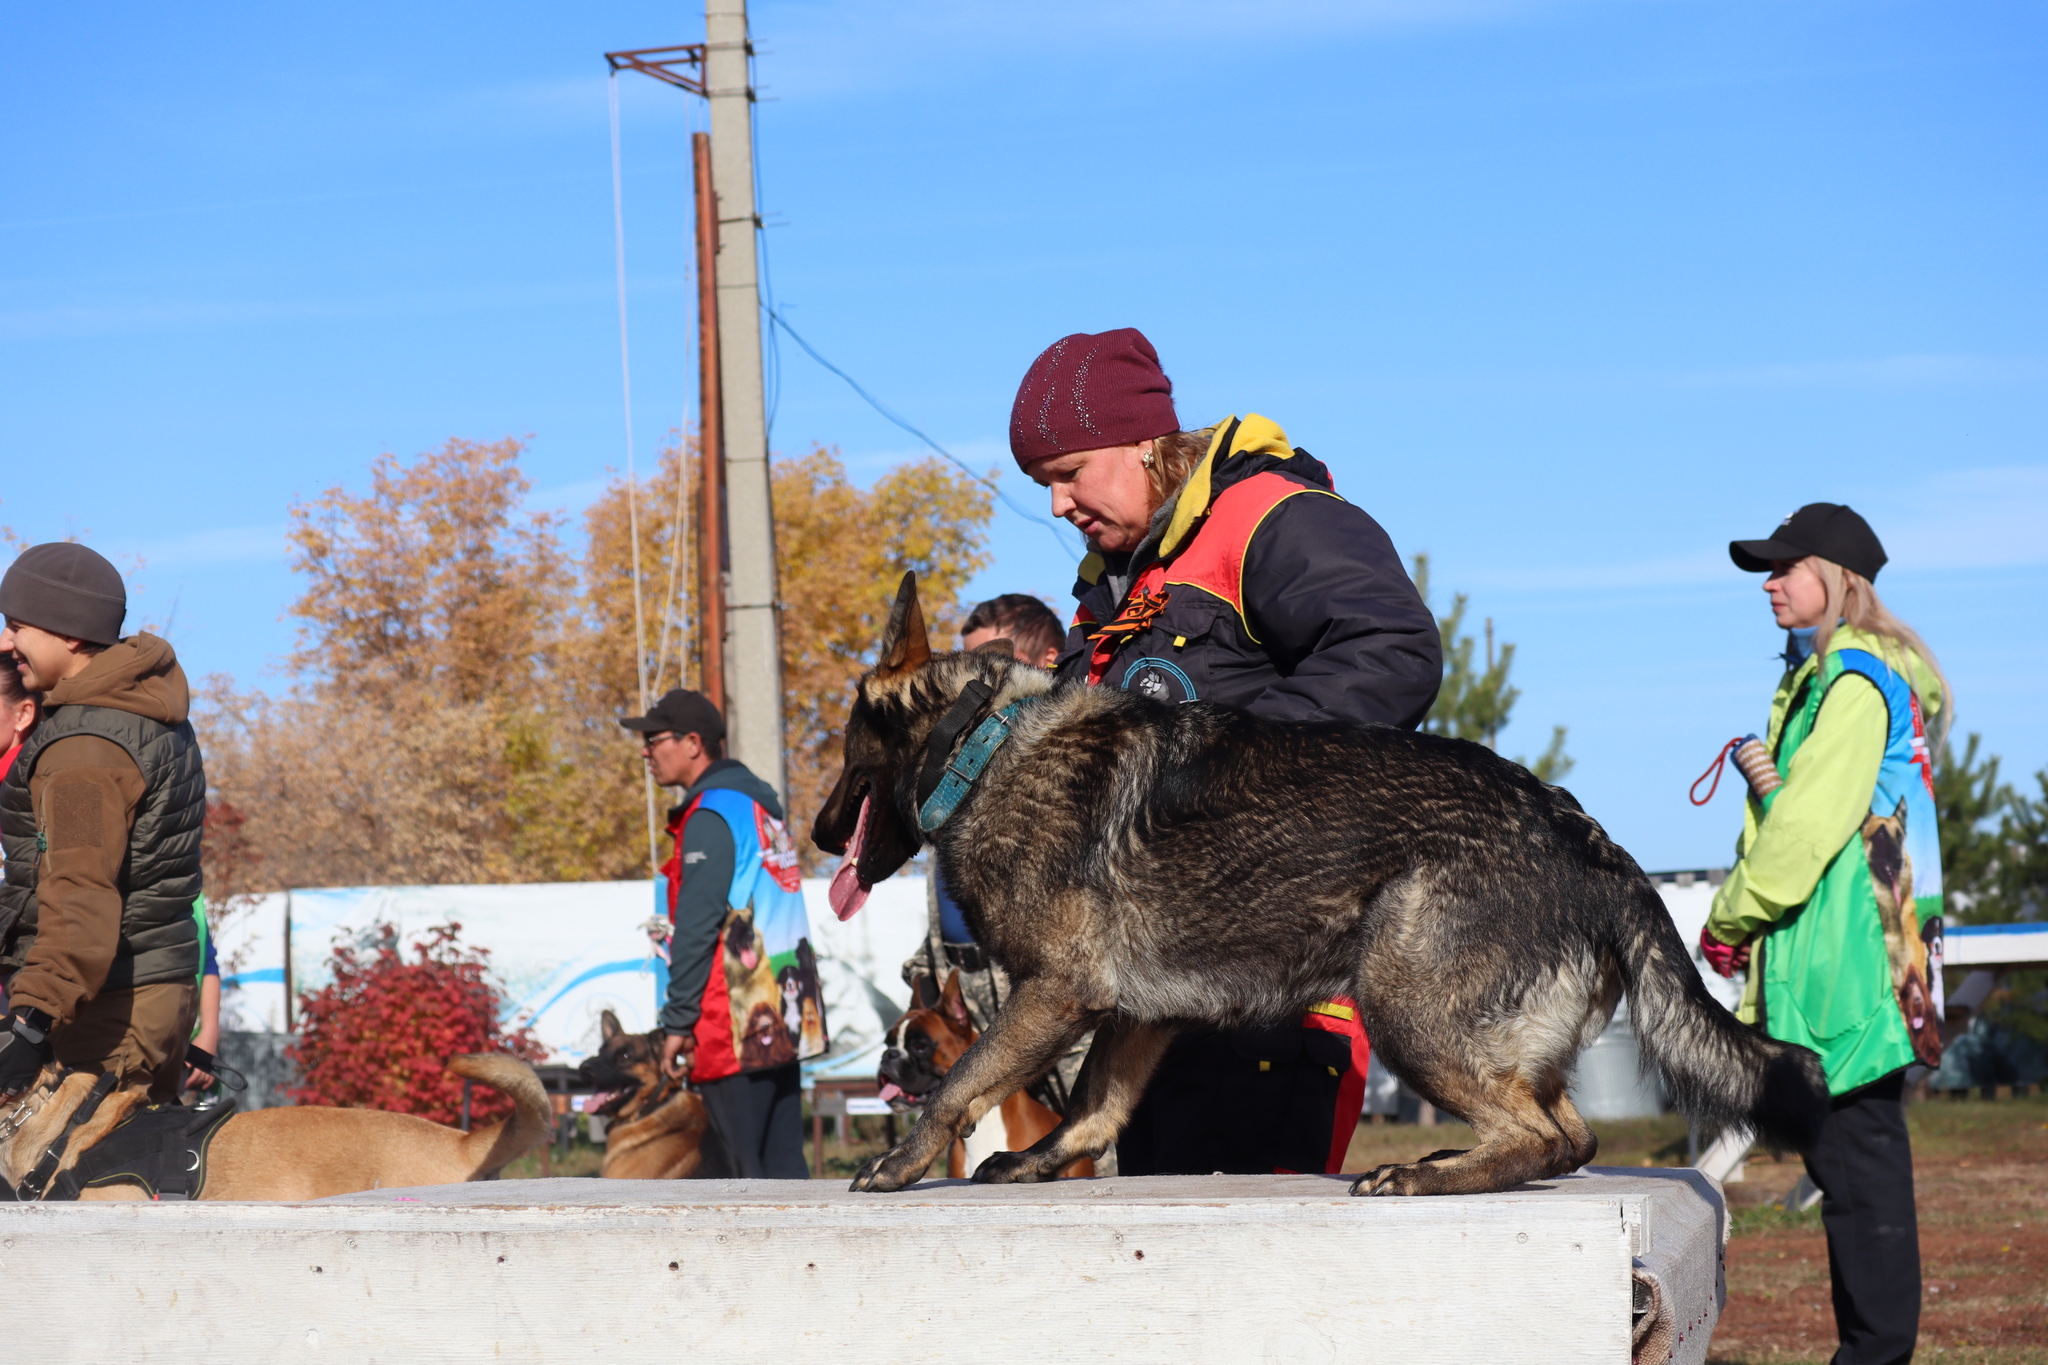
(1981, 1174)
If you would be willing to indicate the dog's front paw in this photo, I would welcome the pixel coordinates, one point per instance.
(885, 1173)
(1013, 1168)
(1379, 1181)
(1426, 1176)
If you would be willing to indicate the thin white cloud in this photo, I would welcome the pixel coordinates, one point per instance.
(812, 48)
(1969, 519)
(1963, 519)
(219, 545)
(180, 315)
(1890, 371)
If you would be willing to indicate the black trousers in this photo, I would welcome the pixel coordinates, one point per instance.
(1247, 1102)
(1864, 1168)
(759, 1116)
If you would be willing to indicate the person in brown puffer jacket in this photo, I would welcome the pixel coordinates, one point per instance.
(101, 815)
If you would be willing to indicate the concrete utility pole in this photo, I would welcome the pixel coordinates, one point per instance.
(754, 659)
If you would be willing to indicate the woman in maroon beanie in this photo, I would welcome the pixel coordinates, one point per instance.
(1224, 568)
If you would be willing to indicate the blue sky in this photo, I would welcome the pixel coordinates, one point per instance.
(1567, 294)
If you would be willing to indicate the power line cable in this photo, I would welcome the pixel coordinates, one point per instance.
(632, 479)
(1052, 527)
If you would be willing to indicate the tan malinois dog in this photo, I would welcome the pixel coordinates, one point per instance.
(298, 1151)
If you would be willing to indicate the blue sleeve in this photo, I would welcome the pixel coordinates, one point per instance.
(952, 923)
(212, 967)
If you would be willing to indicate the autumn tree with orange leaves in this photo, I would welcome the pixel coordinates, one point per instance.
(461, 665)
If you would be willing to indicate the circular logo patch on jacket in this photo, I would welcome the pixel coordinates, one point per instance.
(1159, 680)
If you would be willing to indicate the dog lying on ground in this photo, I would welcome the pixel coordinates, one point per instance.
(659, 1129)
(1137, 866)
(922, 1048)
(298, 1151)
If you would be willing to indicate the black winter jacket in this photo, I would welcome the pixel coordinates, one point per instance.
(1259, 588)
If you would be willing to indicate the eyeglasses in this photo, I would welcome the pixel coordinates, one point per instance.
(653, 740)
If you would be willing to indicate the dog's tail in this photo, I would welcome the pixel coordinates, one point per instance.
(490, 1148)
(1721, 1072)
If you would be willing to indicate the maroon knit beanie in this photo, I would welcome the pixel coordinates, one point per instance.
(1086, 392)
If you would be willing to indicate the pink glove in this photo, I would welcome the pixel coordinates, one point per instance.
(1720, 956)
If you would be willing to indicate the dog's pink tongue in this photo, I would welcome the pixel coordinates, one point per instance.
(847, 894)
(891, 1091)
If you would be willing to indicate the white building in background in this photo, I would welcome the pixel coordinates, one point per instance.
(564, 952)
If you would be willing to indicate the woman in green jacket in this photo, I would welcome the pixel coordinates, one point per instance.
(1834, 903)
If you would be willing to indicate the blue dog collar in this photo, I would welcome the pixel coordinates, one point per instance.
(966, 768)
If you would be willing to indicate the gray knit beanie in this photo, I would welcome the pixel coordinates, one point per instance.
(66, 589)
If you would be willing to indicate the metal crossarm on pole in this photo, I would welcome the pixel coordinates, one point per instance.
(665, 64)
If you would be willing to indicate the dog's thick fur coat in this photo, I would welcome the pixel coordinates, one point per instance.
(1137, 867)
(304, 1151)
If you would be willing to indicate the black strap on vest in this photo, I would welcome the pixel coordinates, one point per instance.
(161, 1148)
(938, 750)
(33, 1184)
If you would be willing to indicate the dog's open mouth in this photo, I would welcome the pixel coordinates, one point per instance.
(849, 892)
(607, 1103)
(897, 1098)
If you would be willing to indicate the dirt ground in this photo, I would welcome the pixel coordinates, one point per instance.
(1981, 1176)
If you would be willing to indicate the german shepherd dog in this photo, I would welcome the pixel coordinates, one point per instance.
(1138, 867)
(301, 1151)
(659, 1127)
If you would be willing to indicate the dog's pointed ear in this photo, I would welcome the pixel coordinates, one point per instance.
(954, 1005)
(1000, 647)
(904, 643)
(608, 1024)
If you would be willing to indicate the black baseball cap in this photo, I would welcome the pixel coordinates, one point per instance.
(681, 712)
(1827, 529)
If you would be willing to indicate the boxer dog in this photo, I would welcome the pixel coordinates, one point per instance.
(918, 1053)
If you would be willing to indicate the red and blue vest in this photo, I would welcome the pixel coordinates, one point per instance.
(762, 1006)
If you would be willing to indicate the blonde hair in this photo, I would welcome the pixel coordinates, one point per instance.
(1852, 598)
(1174, 457)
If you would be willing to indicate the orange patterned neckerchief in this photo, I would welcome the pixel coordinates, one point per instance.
(1140, 610)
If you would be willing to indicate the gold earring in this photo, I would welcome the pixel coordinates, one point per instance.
(1146, 459)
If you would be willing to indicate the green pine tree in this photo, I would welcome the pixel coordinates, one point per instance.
(1975, 812)
(1476, 698)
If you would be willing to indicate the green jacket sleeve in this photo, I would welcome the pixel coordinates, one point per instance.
(1819, 809)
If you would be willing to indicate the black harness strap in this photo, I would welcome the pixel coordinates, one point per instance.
(938, 750)
(162, 1148)
(36, 1181)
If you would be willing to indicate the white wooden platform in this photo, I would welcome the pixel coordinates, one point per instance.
(1167, 1269)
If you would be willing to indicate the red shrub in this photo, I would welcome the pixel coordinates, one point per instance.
(380, 1036)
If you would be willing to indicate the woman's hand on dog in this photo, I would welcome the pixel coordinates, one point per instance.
(677, 1050)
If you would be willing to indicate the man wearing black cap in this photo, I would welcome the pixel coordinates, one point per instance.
(101, 814)
(736, 911)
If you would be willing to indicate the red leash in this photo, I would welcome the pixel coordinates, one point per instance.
(1714, 771)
